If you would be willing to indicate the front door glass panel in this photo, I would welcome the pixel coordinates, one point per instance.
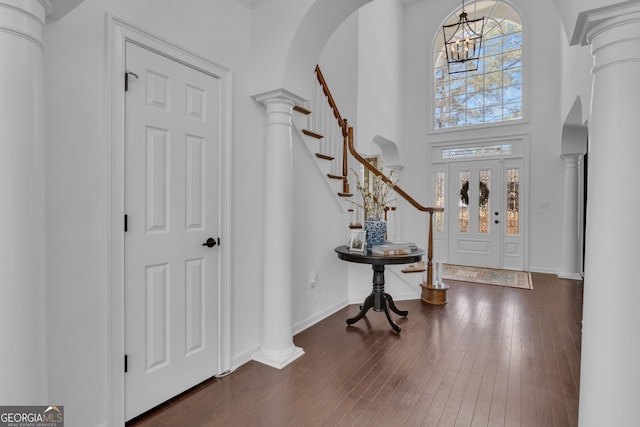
(484, 202)
(463, 204)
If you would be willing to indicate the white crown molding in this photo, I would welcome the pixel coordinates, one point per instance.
(252, 4)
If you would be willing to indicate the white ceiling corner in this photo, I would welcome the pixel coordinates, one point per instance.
(55, 10)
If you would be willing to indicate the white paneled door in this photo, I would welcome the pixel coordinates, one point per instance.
(172, 209)
(476, 213)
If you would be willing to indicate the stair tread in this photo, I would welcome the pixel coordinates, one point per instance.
(345, 194)
(324, 156)
(335, 176)
(413, 270)
(312, 134)
(302, 110)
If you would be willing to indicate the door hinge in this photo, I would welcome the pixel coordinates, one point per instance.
(126, 363)
(126, 79)
(126, 223)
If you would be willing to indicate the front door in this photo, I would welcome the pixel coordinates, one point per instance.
(172, 204)
(475, 213)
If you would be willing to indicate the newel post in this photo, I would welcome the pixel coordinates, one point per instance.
(430, 251)
(433, 293)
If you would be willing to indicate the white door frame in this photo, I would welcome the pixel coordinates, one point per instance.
(118, 33)
(519, 149)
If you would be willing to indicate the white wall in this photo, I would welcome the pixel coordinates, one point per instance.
(78, 174)
(577, 80)
(78, 180)
(320, 225)
(339, 64)
(78, 189)
(422, 25)
(320, 219)
(362, 64)
(421, 20)
(379, 73)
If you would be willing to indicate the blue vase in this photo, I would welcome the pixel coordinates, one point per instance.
(376, 229)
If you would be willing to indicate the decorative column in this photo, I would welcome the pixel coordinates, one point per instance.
(277, 348)
(610, 373)
(22, 285)
(570, 239)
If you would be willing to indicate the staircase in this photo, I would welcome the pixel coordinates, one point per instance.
(324, 127)
(327, 126)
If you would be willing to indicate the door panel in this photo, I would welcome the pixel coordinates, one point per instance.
(171, 199)
(475, 213)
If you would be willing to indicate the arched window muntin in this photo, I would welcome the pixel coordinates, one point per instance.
(493, 93)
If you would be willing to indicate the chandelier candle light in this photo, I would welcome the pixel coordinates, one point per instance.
(463, 41)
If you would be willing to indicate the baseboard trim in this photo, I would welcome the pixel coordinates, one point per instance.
(244, 357)
(570, 276)
(248, 355)
(310, 321)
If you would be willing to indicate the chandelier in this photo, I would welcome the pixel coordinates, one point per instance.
(462, 42)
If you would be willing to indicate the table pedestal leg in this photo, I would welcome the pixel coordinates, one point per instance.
(378, 299)
(393, 307)
(368, 304)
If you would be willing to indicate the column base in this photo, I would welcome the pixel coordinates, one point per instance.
(436, 295)
(278, 361)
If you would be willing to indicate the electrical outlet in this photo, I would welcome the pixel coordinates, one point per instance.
(313, 279)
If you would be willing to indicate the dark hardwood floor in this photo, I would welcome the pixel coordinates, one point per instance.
(492, 356)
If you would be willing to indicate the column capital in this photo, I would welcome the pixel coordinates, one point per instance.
(279, 95)
(591, 22)
(23, 19)
(571, 159)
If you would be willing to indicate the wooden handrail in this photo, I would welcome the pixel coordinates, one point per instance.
(342, 122)
(386, 179)
(347, 133)
(348, 143)
(404, 194)
(325, 89)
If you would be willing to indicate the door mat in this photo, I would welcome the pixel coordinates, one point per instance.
(488, 276)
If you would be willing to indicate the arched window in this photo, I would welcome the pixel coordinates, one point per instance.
(493, 93)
